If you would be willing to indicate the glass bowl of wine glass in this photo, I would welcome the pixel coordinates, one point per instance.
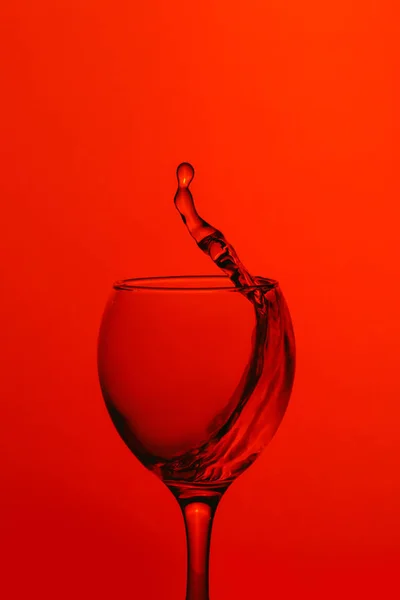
(196, 375)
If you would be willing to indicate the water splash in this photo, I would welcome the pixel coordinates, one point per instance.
(248, 422)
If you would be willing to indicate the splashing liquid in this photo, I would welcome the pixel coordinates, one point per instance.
(210, 240)
(246, 425)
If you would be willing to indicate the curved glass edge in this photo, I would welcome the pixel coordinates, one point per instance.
(150, 284)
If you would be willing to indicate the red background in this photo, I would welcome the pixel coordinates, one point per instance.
(289, 112)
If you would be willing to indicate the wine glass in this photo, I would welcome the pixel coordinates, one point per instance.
(196, 375)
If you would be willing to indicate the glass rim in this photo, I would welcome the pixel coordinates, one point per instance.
(155, 284)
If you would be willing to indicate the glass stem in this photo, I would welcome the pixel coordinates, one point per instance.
(199, 518)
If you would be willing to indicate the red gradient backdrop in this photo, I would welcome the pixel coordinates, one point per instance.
(289, 112)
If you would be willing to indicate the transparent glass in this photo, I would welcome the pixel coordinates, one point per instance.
(196, 384)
